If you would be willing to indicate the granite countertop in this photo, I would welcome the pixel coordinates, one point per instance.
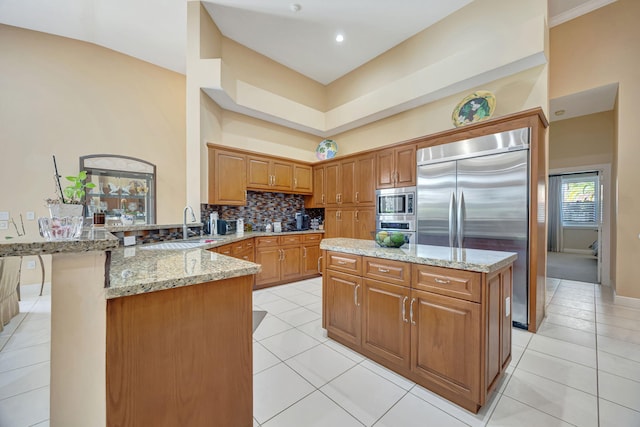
(440, 256)
(91, 240)
(140, 269)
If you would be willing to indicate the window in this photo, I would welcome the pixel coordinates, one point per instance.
(580, 200)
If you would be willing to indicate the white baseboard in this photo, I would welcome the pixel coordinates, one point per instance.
(626, 301)
(578, 251)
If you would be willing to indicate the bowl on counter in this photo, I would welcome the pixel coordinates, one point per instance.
(390, 239)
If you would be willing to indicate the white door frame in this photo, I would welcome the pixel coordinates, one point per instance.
(604, 236)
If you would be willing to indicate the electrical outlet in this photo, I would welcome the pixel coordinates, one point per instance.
(31, 265)
(4, 225)
(31, 215)
(4, 216)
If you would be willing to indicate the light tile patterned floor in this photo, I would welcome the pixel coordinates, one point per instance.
(581, 369)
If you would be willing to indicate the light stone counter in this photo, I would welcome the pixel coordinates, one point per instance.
(135, 270)
(91, 240)
(440, 256)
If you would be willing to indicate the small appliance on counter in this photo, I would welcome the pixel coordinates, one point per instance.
(227, 227)
(302, 221)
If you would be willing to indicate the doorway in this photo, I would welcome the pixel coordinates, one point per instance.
(578, 231)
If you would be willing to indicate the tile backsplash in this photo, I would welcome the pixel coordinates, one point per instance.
(263, 207)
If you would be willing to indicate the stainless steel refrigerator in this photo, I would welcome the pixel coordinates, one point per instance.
(475, 194)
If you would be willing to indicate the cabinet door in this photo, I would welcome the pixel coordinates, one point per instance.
(258, 173)
(347, 188)
(291, 263)
(269, 259)
(318, 199)
(405, 160)
(386, 330)
(227, 178)
(385, 168)
(310, 256)
(331, 223)
(365, 180)
(364, 223)
(282, 175)
(302, 179)
(343, 311)
(445, 342)
(347, 223)
(331, 182)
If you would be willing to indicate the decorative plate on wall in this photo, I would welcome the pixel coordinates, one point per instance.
(474, 108)
(327, 149)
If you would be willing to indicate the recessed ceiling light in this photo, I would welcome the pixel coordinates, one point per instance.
(339, 38)
(559, 112)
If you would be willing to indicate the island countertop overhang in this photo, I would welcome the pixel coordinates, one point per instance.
(479, 260)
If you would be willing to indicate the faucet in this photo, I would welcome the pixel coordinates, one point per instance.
(185, 230)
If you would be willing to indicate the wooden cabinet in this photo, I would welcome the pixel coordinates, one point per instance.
(311, 254)
(357, 223)
(302, 179)
(286, 258)
(396, 167)
(343, 295)
(242, 249)
(269, 174)
(227, 178)
(345, 183)
(448, 330)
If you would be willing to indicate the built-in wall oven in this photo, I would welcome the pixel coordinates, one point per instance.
(395, 211)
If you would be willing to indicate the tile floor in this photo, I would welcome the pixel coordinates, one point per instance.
(581, 369)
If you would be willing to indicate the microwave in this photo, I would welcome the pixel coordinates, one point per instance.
(395, 201)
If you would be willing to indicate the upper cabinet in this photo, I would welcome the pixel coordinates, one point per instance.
(233, 172)
(227, 177)
(348, 182)
(396, 167)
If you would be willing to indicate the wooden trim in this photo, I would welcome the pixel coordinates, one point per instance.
(259, 154)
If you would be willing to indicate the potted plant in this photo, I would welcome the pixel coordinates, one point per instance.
(70, 199)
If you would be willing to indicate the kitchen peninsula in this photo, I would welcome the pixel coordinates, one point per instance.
(146, 337)
(439, 316)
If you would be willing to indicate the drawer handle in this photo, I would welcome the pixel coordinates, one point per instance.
(342, 262)
(383, 270)
(245, 257)
(355, 295)
(442, 281)
(404, 310)
(319, 261)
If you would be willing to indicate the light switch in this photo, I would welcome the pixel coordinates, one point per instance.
(129, 240)
(31, 265)
(4, 216)
(4, 225)
(31, 215)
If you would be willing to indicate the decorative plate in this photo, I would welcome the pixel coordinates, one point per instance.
(327, 149)
(474, 108)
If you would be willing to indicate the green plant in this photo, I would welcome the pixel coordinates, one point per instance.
(74, 193)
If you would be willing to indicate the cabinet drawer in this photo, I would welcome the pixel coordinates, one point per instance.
(446, 281)
(311, 237)
(246, 255)
(344, 262)
(225, 249)
(387, 270)
(266, 241)
(237, 247)
(293, 239)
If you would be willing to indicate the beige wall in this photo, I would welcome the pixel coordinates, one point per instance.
(591, 51)
(71, 98)
(585, 140)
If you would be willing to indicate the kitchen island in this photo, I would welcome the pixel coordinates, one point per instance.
(146, 337)
(439, 316)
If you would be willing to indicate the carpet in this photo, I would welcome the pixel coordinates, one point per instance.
(258, 316)
(581, 268)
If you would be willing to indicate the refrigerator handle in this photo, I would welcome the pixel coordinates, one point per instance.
(461, 220)
(452, 219)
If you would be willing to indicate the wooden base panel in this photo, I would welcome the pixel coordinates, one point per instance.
(284, 282)
(181, 357)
